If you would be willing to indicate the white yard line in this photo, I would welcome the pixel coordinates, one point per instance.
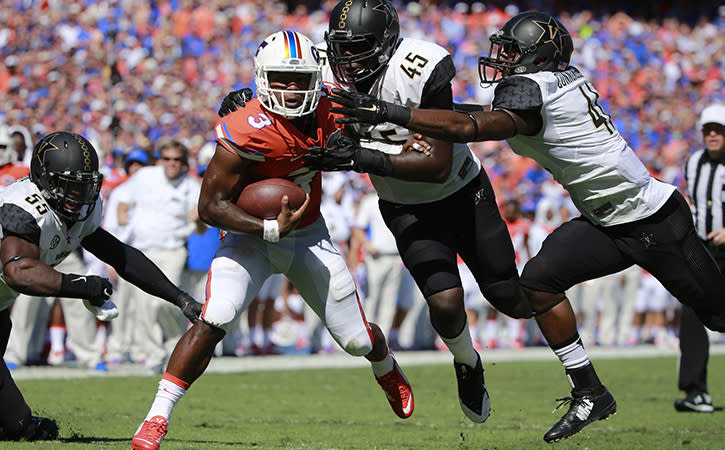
(341, 360)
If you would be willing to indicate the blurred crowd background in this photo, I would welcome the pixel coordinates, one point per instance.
(131, 76)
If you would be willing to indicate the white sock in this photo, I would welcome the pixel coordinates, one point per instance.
(168, 394)
(461, 347)
(266, 338)
(573, 355)
(257, 336)
(57, 338)
(515, 327)
(383, 366)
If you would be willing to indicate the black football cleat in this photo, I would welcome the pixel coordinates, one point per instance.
(585, 407)
(695, 402)
(41, 429)
(472, 393)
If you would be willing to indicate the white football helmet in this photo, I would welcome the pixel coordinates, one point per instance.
(287, 51)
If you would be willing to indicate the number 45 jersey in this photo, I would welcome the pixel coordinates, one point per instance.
(416, 68)
(25, 214)
(580, 146)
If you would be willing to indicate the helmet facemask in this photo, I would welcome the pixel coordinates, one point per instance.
(72, 195)
(288, 52)
(354, 59)
(504, 63)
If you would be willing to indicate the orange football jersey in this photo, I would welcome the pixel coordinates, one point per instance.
(11, 172)
(276, 147)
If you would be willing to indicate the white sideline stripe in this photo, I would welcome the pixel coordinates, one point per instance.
(230, 364)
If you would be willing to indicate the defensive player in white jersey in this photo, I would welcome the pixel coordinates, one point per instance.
(437, 204)
(43, 218)
(548, 111)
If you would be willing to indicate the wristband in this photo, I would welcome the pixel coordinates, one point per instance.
(76, 286)
(374, 162)
(271, 231)
(398, 114)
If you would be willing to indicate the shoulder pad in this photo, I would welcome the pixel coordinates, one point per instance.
(518, 93)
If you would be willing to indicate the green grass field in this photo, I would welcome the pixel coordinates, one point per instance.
(345, 409)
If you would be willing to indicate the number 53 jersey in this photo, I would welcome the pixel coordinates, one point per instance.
(416, 68)
(580, 146)
(25, 214)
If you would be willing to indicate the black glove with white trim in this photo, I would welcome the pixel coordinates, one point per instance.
(364, 108)
(190, 307)
(344, 153)
(234, 100)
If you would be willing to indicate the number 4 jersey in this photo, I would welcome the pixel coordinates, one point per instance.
(581, 148)
(417, 68)
(24, 213)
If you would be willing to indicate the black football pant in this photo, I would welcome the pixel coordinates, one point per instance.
(694, 344)
(14, 412)
(467, 223)
(665, 244)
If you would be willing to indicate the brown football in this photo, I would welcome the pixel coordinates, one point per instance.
(263, 198)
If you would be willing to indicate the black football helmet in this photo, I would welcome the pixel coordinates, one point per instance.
(362, 37)
(529, 42)
(65, 169)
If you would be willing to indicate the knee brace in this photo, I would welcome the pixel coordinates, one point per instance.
(219, 313)
(509, 298)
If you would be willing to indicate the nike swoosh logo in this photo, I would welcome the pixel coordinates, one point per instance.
(295, 158)
(368, 108)
(79, 279)
(407, 409)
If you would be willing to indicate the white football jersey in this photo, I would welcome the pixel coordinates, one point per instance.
(402, 82)
(25, 213)
(581, 148)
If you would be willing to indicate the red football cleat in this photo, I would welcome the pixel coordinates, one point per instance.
(150, 434)
(398, 391)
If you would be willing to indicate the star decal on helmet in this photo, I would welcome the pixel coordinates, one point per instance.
(551, 32)
(386, 8)
(43, 148)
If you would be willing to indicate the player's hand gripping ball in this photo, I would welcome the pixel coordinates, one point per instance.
(263, 199)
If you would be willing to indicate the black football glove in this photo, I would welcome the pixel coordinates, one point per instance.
(343, 153)
(190, 307)
(364, 108)
(234, 100)
(101, 288)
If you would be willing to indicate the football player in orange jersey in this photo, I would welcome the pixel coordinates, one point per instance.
(264, 139)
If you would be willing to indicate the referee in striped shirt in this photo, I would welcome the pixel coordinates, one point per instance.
(705, 176)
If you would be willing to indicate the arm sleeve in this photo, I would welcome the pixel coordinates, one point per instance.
(131, 265)
(15, 221)
(518, 94)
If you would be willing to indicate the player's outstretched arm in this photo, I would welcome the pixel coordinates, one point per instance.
(437, 123)
(27, 274)
(135, 267)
